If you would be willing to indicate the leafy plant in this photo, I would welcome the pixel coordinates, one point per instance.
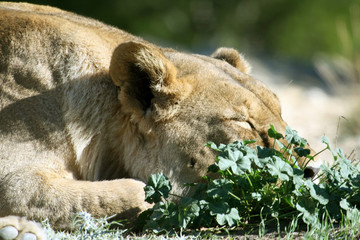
(258, 186)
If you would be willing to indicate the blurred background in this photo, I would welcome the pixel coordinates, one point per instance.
(308, 52)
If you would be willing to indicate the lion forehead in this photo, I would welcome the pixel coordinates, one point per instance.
(213, 77)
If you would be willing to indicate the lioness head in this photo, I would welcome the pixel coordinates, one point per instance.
(177, 102)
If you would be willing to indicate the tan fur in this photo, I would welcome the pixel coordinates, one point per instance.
(89, 112)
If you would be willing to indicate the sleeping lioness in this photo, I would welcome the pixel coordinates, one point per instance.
(88, 112)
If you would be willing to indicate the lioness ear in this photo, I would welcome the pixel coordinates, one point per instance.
(142, 72)
(232, 56)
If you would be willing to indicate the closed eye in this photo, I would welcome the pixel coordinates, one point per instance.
(245, 125)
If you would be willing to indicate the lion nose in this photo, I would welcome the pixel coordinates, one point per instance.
(311, 172)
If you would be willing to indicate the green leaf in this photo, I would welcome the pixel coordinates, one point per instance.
(218, 207)
(219, 188)
(242, 165)
(317, 192)
(143, 218)
(346, 168)
(233, 154)
(158, 186)
(280, 168)
(281, 146)
(256, 196)
(190, 207)
(305, 204)
(293, 137)
(225, 163)
(302, 152)
(310, 218)
(298, 180)
(212, 145)
(188, 210)
(341, 154)
(264, 156)
(334, 209)
(246, 142)
(344, 204)
(331, 175)
(213, 168)
(237, 157)
(230, 218)
(160, 209)
(273, 133)
(325, 140)
(264, 152)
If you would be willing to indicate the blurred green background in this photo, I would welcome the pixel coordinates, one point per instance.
(296, 29)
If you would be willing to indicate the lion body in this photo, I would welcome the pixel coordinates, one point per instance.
(88, 112)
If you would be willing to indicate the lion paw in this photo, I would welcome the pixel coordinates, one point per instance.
(13, 227)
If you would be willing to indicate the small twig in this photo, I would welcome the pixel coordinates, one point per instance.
(338, 129)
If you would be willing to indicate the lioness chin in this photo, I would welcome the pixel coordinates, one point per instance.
(88, 112)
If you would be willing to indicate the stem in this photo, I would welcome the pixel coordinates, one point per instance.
(290, 154)
(306, 163)
(318, 176)
(175, 195)
(320, 152)
(247, 177)
(247, 203)
(289, 213)
(249, 224)
(322, 174)
(281, 216)
(286, 149)
(234, 196)
(274, 144)
(338, 187)
(313, 157)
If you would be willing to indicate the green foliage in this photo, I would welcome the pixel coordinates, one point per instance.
(157, 187)
(259, 186)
